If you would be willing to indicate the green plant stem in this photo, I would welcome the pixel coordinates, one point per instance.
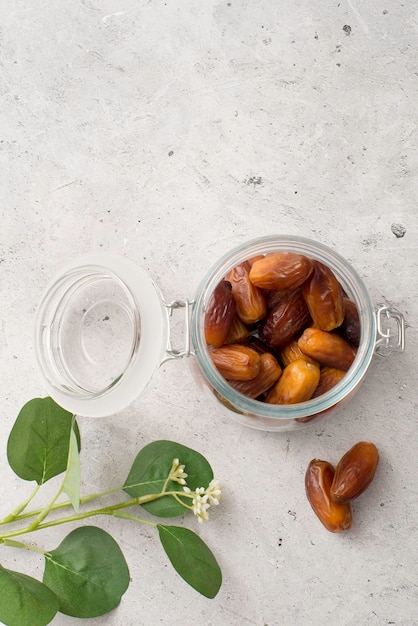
(108, 510)
(45, 511)
(124, 515)
(176, 495)
(167, 480)
(56, 507)
(19, 544)
(15, 514)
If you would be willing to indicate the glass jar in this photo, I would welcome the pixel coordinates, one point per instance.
(103, 328)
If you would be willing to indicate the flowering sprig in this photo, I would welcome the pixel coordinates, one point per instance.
(204, 498)
(177, 473)
(45, 442)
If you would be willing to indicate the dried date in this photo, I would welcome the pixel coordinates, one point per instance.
(355, 471)
(285, 320)
(238, 331)
(350, 328)
(334, 516)
(249, 299)
(219, 315)
(296, 384)
(329, 377)
(236, 362)
(280, 270)
(324, 297)
(291, 352)
(270, 372)
(327, 348)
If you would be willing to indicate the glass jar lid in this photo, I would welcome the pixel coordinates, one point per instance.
(100, 333)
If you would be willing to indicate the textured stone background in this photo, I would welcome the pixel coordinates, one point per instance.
(170, 132)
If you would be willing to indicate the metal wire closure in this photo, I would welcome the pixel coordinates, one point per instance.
(171, 352)
(390, 336)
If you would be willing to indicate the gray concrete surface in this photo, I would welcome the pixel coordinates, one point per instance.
(169, 132)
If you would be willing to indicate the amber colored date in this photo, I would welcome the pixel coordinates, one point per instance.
(249, 299)
(329, 377)
(350, 328)
(237, 331)
(327, 348)
(280, 270)
(270, 372)
(291, 352)
(296, 384)
(236, 362)
(219, 315)
(334, 516)
(285, 320)
(324, 297)
(355, 471)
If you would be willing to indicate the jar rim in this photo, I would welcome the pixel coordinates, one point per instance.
(352, 284)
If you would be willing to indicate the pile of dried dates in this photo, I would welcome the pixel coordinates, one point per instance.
(330, 490)
(280, 328)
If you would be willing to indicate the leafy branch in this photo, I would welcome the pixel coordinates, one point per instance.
(86, 575)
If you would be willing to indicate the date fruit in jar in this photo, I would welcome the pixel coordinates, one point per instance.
(219, 315)
(249, 299)
(280, 271)
(292, 311)
(324, 297)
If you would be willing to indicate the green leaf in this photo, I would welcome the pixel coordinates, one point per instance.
(38, 443)
(87, 572)
(71, 485)
(151, 469)
(25, 601)
(192, 559)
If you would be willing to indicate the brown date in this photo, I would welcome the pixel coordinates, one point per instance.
(219, 315)
(296, 384)
(334, 516)
(236, 362)
(291, 352)
(249, 299)
(269, 373)
(355, 471)
(329, 377)
(280, 270)
(256, 344)
(324, 297)
(350, 328)
(237, 331)
(327, 348)
(273, 297)
(285, 320)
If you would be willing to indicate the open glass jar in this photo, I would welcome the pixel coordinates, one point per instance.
(103, 328)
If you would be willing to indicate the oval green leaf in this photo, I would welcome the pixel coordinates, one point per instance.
(151, 469)
(71, 485)
(192, 559)
(38, 444)
(25, 601)
(87, 572)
